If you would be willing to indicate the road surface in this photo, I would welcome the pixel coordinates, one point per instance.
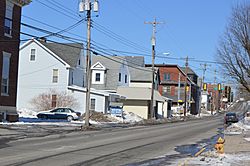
(122, 146)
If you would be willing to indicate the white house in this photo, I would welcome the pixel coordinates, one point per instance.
(57, 66)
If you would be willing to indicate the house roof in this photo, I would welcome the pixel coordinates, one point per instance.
(68, 52)
(140, 74)
(110, 62)
(137, 69)
(135, 61)
(171, 65)
(139, 93)
(190, 71)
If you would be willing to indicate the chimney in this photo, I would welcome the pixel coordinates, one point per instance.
(42, 39)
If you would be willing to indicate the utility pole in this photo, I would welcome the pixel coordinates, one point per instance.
(214, 91)
(179, 88)
(86, 5)
(185, 93)
(204, 68)
(153, 42)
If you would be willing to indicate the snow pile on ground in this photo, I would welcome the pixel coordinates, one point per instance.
(128, 117)
(131, 118)
(26, 113)
(239, 128)
(213, 158)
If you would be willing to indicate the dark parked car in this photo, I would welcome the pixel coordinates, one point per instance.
(231, 117)
(59, 113)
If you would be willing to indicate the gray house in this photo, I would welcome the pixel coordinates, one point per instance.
(109, 72)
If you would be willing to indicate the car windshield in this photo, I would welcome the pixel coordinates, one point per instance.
(231, 114)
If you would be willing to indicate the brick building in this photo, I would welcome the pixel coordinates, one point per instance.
(10, 19)
(170, 77)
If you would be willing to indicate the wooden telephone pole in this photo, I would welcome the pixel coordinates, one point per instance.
(153, 42)
(86, 5)
(185, 93)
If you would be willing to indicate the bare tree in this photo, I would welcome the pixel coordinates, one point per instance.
(234, 47)
(44, 100)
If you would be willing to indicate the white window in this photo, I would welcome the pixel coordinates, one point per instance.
(92, 104)
(8, 19)
(55, 76)
(5, 74)
(166, 89)
(32, 54)
(97, 77)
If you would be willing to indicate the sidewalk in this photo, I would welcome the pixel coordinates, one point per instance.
(237, 143)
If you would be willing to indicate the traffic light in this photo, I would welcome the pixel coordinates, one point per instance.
(205, 86)
(219, 87)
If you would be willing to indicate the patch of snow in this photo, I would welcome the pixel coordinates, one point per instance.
(41, 123)
(239, 127)
(128, 117)
(26, 113)
(247, 139)
(131, 118)
(212, 158)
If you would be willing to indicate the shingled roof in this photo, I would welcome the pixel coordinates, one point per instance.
(69, 52)
(190, 71)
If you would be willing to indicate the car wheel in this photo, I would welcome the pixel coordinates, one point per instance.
(44, 117)
(69, 118)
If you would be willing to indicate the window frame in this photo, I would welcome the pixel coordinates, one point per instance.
(98, 79)
(120, 77)
(5, 76)
(8, 19)
(166, 76)
(92, 104)
(126, 79)
(53, 100)
(55, 78)
(32, 55)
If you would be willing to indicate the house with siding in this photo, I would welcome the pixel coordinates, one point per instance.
(10, 19)
(109, 72)
(128, 76)
(45, 66)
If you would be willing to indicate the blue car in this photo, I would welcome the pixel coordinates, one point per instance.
(60, 113)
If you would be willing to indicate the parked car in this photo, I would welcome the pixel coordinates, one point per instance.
(59, 113)
(231, 117)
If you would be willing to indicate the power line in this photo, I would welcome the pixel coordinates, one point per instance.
(64, 8)
(59, 11)
(66, 29)
(119, 38)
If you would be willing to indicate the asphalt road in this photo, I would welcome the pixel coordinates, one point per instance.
(122, 146)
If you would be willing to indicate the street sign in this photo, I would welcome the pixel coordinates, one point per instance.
(116, 111)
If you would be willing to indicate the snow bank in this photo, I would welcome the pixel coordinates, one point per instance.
(212, 158)
(240, 127)
(128, 117)
(131, 118)
(26, 113)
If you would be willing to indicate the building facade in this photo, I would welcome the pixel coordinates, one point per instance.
(172, 83)
(10, 19)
